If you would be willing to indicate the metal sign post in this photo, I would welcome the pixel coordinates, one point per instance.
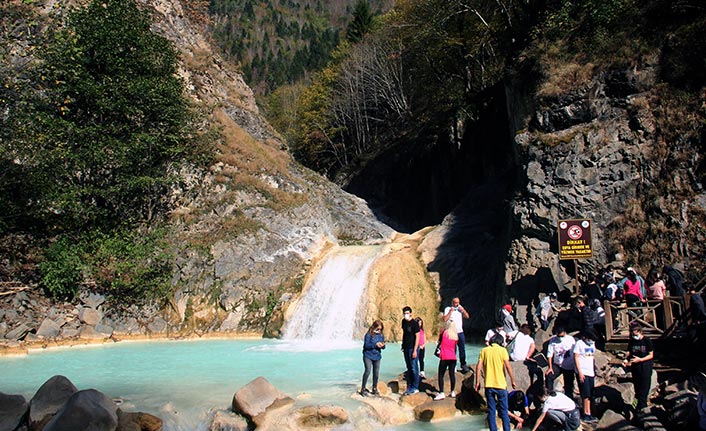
(575, 242)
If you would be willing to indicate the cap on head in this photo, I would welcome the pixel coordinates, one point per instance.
(508, 307)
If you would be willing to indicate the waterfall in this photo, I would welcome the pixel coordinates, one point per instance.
(328, 308)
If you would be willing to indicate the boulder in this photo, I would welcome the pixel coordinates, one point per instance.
(105, 330)
(92, 300)
(48, 329)
(228, 421)
(414, 400)
(89, 316)
(435, 410)
(69, 332)
(89, 333)
(18, 333)
(612, 421)
(321, 416)
(85, 410)
(256, 397)
(387, 411)
(128, 421)
(384, 389)
(12, 410)
(48, 400)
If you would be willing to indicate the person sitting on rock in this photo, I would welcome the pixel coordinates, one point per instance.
(497, 329)
(524, 346)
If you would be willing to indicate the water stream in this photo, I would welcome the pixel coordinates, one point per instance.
(330, 305)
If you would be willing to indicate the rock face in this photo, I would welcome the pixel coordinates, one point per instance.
(85, 410)
(598, 152)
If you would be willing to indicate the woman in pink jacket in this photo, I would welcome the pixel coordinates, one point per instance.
(447, 359)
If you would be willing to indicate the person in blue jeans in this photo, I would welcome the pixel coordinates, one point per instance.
(493, 362)
(410, 350)
(373, 344)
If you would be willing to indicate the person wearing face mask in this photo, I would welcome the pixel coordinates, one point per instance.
(640, 360)
(561, 360)
(373, 344)
(634, 287)
(410, 350)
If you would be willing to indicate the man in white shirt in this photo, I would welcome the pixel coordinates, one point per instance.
(560, 355)
(497, 329)
(524, 345)
(456, 313)
(560, 409)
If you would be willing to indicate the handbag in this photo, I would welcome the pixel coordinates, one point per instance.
(437, 351)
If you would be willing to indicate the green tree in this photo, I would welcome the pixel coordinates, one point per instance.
(362, 22)
(111, 117)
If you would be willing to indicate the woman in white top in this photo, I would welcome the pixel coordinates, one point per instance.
(560, 409)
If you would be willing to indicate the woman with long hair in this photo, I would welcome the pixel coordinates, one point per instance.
(447, 359)
(373, 344)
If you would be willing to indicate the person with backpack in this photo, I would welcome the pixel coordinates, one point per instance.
(634, 287)
(675, 280)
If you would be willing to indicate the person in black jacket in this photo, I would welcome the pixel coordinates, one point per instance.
(675, 281)
(589, 317)
(697, 313)
(640, 360)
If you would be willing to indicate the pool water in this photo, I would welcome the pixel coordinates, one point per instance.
(183, 381)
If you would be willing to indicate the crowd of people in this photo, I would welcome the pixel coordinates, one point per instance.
(569, 357)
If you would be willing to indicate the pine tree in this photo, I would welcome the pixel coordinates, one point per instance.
(362, 22)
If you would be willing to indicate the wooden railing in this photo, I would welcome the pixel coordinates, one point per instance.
(656, 317)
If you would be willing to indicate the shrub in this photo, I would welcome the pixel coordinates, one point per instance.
(61, 269)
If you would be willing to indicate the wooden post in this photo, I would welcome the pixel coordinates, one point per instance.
(577, 289)
(608, 320)
(668, 316)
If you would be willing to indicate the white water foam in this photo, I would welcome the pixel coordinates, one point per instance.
(327, 311)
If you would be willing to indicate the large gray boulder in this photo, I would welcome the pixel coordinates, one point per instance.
(90, 316)
(256, 397)
(612, 421)
(18, 333)
(48, 400)
(87, 410)
(12, 410)
(48, 329)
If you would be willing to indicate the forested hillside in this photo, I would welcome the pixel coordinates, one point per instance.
(279, 42)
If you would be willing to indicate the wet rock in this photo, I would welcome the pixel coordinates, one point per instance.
(138, 421)
(228, 421)
(435, 410)
(387, 411)
(321, 416)
(85, 410)
(89, 316)
(48, 329)
(12, 410)
(48, 400)
(256, 397)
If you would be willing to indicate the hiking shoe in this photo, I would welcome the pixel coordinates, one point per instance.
(364, 392)
(439, 396)
(453, 394)
(591, 419)
(411, 391)
(375, 392)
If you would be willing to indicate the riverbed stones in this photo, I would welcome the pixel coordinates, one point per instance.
(12, 410)
(85, 410)
(18, 333)
(48, 400)
(256, 397)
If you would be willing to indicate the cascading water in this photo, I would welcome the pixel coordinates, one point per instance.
(328, 309)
